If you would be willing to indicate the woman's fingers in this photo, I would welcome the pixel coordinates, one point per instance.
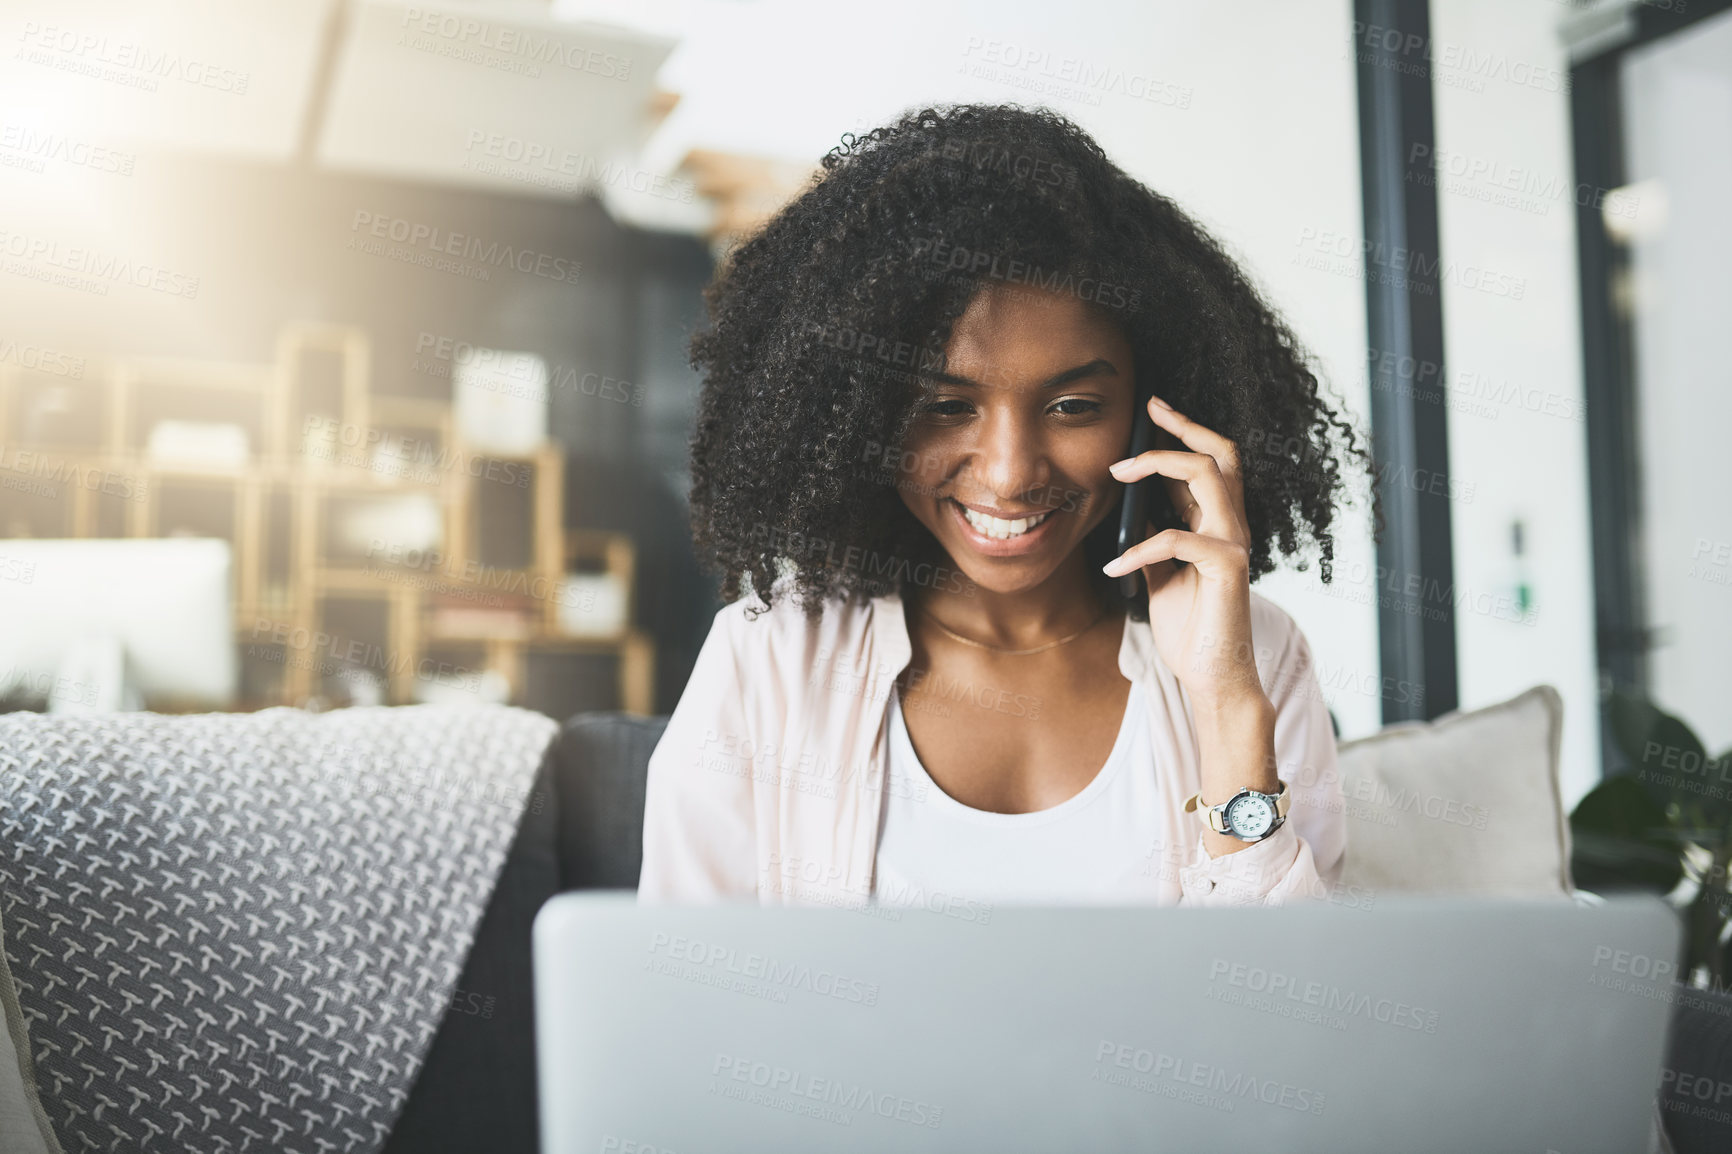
(1179, 497)
(1198, 437)
(1202, 480)
(1185, 506)
(1202, 439)
(1213, 555)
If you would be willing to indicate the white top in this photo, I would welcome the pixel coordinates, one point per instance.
(769, 781)
(1100, 845)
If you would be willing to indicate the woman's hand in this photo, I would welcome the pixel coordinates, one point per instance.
(1200, 613)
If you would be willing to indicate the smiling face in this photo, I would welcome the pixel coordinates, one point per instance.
(1036, 402)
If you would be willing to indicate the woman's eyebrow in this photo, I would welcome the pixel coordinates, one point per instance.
(1097, 367)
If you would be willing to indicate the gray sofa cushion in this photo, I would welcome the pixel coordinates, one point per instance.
(477, 1090)
(603, 763)
(240, 931)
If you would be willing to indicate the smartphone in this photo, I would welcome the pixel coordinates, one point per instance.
(1145, 501)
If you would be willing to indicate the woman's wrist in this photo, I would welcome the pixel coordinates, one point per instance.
(1236, 746)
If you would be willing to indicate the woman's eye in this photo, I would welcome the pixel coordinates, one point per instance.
(957, 408)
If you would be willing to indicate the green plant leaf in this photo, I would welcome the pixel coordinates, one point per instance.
(1721, 774)
(1669, 760)
(1621, 839)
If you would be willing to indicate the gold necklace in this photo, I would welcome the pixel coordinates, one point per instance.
(1013, 652)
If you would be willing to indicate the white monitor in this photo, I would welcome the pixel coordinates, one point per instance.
(98, 625)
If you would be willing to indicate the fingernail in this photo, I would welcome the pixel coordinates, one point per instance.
(1111, 568)
(1161, 403)
(1117, 465)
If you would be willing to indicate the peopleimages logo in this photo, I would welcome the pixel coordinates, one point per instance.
(1627, 967)
(40, 254)
(537, 47)
(1457, 65)
(54, 470)
(45, 146)
(945, 257)
(889, 350)
(333, 433)
(999, 162)
(41, 360)
(908, 895)
(818, 551)
(106, 58)
(1066, 77)
(803, 1088)
(1273, 984)
(538, 162)
(437, 242)
(1335, 252)
(1228, 1087)
(765, 968)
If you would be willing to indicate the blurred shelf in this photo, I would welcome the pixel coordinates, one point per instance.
(362, 526)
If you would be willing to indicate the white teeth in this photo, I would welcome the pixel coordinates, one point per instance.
(995, 527)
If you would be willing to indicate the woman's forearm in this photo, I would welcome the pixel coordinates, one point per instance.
(1236, 744)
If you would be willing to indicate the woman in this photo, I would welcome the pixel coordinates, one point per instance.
(921, 379)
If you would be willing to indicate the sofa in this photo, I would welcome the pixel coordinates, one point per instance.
(1428, 806)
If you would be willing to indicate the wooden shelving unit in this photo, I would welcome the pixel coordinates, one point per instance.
(478, 560)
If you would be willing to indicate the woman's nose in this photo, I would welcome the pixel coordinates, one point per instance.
(1010, 458)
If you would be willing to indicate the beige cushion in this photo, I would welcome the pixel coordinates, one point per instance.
(1465, 804)
(24, 1127)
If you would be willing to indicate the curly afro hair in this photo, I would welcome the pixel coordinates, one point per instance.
(825, 323)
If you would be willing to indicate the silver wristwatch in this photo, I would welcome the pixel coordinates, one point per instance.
(1248, 815)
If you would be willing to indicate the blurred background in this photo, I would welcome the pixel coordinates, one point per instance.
(342, 343)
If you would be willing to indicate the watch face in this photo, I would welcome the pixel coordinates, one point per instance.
(1250, 815)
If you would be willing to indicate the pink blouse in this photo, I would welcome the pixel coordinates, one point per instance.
(770, 776)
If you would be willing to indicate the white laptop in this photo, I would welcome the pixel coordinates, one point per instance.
(1417, 1025)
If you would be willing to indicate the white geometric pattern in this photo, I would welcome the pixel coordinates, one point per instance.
(240, 932)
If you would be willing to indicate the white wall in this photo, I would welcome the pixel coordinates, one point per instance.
(1506, 204)
(1678, 95)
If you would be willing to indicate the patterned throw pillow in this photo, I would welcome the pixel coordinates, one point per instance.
(24, 1127)
(240, 932)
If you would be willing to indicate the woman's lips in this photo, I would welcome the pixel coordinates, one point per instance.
(1028, 542)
